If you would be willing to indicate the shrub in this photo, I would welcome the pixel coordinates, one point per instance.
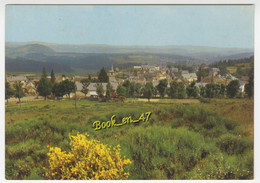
(232, 144)
(35, 175)
(211, 122)
(173, 151)
(230, 125)
(87, 159)
(222, 167)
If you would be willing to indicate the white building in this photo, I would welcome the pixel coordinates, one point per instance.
(190, 77)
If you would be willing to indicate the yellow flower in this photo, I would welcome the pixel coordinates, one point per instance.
(87, 159)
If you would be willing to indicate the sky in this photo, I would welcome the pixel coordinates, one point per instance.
(197, 25)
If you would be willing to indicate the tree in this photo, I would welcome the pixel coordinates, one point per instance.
(181, 90)
(173, 90)
(109, 90)
(9, 92)
(161, 87)
(58, 89)
(68, 86)
(150, 85)
(223, 70)
(177, 90)
(126, 84)
(203, 91)
(233, 88)
(103, 77)
(210, 92)
(85, 83)
(138, 89)
(52, 77)
(121, 90)
(155, 91)
(222, 89)
(148, 91)
(44, 73)
(132, 89)
(19, 93)
(239, 72)
(202, 73)
(249, 87)
(192, 90)
(100, 90)
(44, 86)
(217, 89)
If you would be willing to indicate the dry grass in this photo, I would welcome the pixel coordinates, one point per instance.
(232, 69)
(166, 101)
(240, 110)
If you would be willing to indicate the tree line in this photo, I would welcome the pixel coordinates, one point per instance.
(177, 90)
(223, 64)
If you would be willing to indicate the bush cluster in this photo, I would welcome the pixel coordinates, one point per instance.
(87, 160)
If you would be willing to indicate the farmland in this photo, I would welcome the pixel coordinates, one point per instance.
(183, 139)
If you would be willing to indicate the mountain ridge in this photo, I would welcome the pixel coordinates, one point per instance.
(94, 57)
(100, 44)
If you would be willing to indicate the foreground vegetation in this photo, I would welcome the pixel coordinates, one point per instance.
(180, 141)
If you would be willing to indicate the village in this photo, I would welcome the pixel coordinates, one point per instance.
(140, 74)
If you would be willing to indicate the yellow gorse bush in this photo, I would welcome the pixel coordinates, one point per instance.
(88, 159)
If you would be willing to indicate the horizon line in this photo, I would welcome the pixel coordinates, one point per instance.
(133, 45)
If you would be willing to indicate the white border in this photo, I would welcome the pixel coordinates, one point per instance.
(3, 3)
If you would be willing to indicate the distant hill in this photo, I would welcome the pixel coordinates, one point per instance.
(93, 57)
(29, 51)
(237, 56)
(28, 65)
(196, 52)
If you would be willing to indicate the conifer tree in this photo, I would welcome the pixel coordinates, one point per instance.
(103, 77)
(53, 78)
(45, 85)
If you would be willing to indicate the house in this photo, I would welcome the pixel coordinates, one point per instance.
(79, 85)
(200, 84)
(30, 88)
(93, 95)
(214, 71)
(161, 76)
(150, 67)
(174, 69)
(93, 86)
(155, 83)
(12, 79)
(184, 72)
(93, 89)
(137, 67)
(114, 85)
(204, 66)
(120, 81)
(242, 86)
(190, 77)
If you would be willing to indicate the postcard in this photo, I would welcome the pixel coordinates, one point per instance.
(129, 91)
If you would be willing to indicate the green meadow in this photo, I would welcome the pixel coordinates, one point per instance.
(183, 139)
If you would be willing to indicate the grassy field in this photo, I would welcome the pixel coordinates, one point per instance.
(232, 69)
(238, 110)
(183, 139)
(244, 66)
